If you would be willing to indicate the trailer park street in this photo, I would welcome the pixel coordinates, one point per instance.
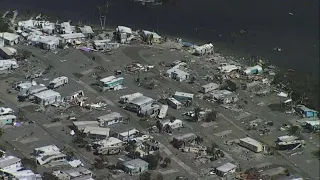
(207, 116)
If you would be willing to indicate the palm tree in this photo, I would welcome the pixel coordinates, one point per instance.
(103, 10)
(316, 154)
(100, 15)
(166, 161)
(294, 130)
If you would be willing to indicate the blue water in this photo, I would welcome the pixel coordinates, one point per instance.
(268, 23)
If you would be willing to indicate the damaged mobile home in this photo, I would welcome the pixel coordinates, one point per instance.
(111, 82)
(47, 97)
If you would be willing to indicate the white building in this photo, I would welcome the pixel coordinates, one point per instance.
(135, 166)
(228, 68)
(156, 38)
(81, 125)
(26, 175)
(163, 111)
(124, 29)
(47, 42)
(65, 28)
(204, 49)
(188, 137)
(253, 70)
(47, 154)
(183, 96)
(209, 87)
(109, 146)
(47, 97)
(251, 144)
(225, 169)
(109, 119)
(224, 96)
(172, 124)
(70, 38)
(128, 135)
(8, 64)
(86, 30)
(139, 103)
(25, 85)
(7, 119)
(101, 44)
(9, 38)
(179, 75)
(7, 52)
(27, 24)
(124, 33)
(5, 111)
(10, 164)
(79, 173)
(96, 132)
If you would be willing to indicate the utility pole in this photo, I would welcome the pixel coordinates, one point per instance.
(105, 16)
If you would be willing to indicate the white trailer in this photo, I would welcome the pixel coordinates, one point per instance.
(163, 111)
(209, 87)
(172, 102)
(5, 111)
(130, 97)
(57, 82)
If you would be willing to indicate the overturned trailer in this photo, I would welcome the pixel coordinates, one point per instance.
(163, 111)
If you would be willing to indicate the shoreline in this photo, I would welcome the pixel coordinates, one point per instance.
(224, 48)
(225, 51)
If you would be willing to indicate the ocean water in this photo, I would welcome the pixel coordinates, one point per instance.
(269, 24)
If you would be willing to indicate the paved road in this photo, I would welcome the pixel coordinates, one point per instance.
(109, 102)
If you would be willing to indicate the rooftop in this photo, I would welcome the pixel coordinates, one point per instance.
(76, 172)
(48, 150)
(135, 163)
(9, 36)
(110, 141)
(10, 116)
(47, 94)
(129, 132)
(7, 161)
(179, 72)
(287, 138)
(205, 46)
(313, 123)
(23, 174)
(250, 141)
(304, 108)
(55, 80)
(141, 100)
(72, 36)
(167, 121)
(174, 100)
(155, 35)
(109, 117)
(227, 167)
(185, 136)
(124, 29)
(7, 51)
(215, 85)
(107, 79)
(188, 95)
(96, 130)
(86, 30)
